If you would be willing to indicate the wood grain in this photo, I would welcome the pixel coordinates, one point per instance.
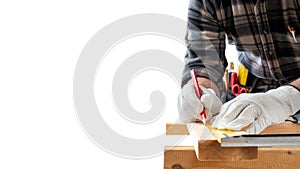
(283, 128)
(268, 158)
(176, 129)
(184, 157)
(208, 148)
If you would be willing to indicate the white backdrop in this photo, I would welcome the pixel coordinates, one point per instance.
(40, 42)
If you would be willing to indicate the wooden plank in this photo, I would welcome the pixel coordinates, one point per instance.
(275, 157)
(199, 134)
(268, 158)
(283, 128)
(207, 147)
(211, 151)
(176, 129)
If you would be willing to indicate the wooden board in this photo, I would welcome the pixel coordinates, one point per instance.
(283, 128)
(176, 129)
(268, 158)
(208, 148)
(184, 157)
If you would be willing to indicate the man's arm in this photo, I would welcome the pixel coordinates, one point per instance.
(205, 40)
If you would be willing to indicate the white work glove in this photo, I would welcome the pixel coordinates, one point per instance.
(189, 105)
(260, 109)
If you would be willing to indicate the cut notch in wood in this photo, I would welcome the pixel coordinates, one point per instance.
(207, 147)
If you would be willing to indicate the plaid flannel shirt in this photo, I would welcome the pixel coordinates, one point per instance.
(261, 31)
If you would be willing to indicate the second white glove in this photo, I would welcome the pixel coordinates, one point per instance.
(259, 109)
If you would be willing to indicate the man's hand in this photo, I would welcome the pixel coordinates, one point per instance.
(259, 109)
(189, 105)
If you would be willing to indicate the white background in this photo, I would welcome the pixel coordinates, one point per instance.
(40, 42)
